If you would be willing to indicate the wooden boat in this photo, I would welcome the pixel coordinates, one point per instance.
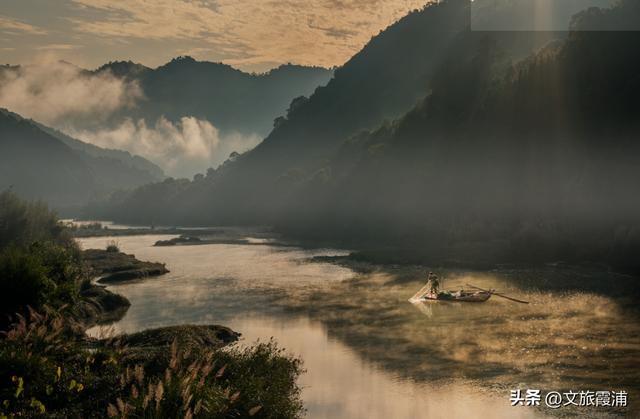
(426, 294)
(479, 296)
(458, 296)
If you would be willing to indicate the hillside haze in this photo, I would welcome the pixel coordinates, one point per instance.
(186, 116)
(491, 119)
(40, 163)
(232, 100)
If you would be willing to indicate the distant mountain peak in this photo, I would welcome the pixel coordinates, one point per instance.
(289, 67)
(123, 68)
(184, 59)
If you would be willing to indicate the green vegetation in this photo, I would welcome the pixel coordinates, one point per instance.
(43, 372)
(24, 223)
(39, 262)
(48, 368)
(112, 247)
(41, 274)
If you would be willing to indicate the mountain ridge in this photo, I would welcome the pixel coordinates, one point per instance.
(232, 100)
(515, 159)
(41, 163)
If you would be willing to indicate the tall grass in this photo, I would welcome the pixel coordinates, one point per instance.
(44, 372)
(112, 246)
(48, 369)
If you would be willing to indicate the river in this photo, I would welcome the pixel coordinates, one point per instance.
(368, 353)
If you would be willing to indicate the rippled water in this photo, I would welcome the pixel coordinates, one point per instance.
(368, 352)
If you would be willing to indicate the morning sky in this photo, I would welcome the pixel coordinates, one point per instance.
(253, 35)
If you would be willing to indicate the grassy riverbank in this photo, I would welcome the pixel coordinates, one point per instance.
(111, 265)
(49, 368)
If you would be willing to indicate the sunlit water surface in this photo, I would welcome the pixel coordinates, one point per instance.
(368, 353)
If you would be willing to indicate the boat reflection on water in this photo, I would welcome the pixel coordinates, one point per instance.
(424, 307)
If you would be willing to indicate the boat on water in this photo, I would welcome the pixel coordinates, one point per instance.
(430, 293)
(457, 296)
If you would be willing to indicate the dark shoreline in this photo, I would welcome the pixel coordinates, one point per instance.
(115, 266)
(100, 306)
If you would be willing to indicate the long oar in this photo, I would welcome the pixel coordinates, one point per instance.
(499, 295)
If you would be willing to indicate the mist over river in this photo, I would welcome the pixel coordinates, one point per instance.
(368, 353)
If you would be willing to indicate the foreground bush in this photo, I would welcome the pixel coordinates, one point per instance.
(39, 262)
(43, 274)
(46, 372)
(23, 223)
(112, 247)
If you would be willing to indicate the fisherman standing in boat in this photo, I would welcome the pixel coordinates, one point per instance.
(434, 284)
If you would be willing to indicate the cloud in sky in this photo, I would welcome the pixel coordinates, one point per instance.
(52, 47)
(183, 148)
(250, 34)
(82, 105)
(59, 94)
(13, 26)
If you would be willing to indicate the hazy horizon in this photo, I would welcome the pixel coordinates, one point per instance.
(47, 60)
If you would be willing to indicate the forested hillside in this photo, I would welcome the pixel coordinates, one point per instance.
(534, 161)
(91, 150)
(517, 155)
(232, 100)
(37, 164)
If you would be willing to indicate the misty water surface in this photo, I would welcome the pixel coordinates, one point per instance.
(368, 352)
